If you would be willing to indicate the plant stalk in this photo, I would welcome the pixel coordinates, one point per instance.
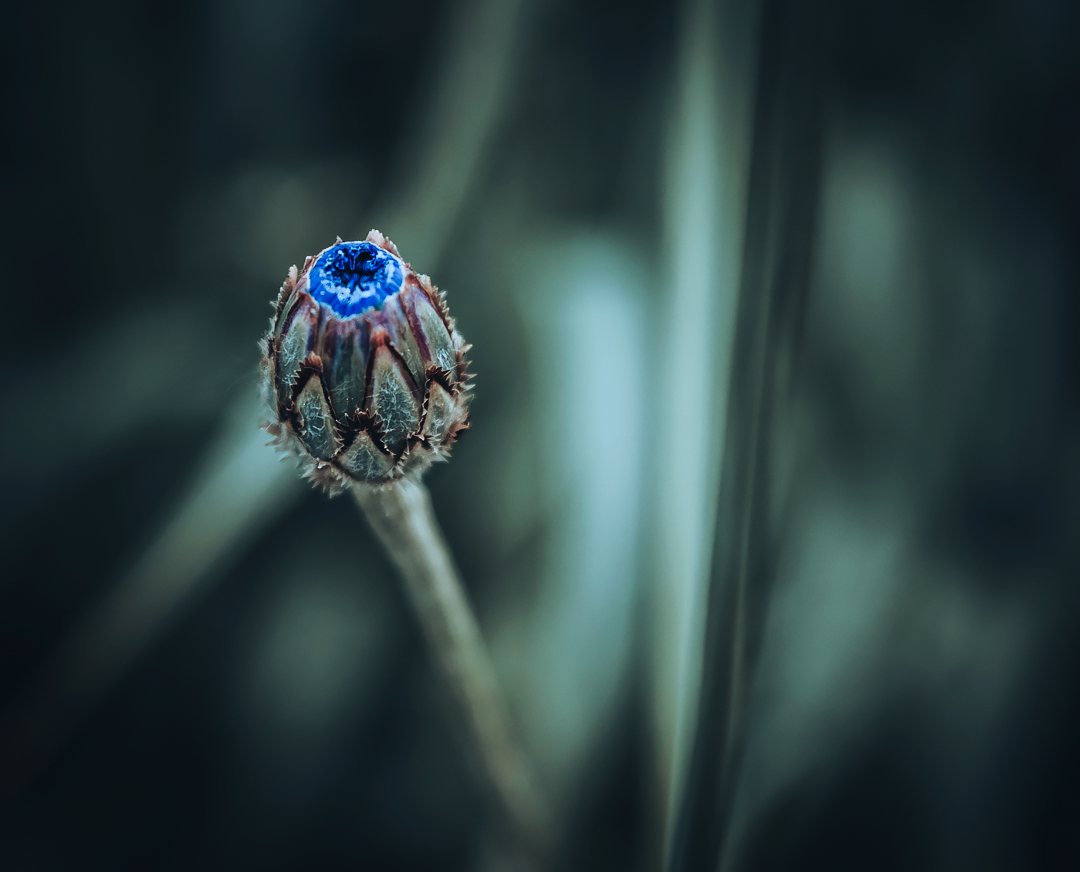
(401, 516)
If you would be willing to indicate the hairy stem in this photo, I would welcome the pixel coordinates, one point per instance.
(402, 518)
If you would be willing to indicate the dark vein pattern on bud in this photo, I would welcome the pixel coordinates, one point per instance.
(363, 372)
(352, 277)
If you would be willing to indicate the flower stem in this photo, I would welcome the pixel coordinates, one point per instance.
(402, 518)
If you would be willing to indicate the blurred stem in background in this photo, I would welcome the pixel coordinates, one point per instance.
(782, 201)
(469, 96)
(241, 489)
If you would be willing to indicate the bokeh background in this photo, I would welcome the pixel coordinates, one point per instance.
(769, 509)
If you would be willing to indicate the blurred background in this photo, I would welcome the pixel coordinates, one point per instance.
(770, 501)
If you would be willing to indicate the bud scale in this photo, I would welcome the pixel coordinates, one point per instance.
(364, 373)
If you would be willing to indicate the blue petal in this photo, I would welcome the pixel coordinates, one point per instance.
(353, 277)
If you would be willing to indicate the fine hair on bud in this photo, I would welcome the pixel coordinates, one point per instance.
(363, 372)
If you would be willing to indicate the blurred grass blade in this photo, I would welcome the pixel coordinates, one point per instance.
(571, 645)
(704, 209)
(781, 208)
(180, 377)
(241, 488)
(469, 97)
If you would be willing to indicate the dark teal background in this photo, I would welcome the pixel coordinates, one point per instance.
(137, 136)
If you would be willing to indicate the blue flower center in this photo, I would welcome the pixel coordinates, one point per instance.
(353, 277)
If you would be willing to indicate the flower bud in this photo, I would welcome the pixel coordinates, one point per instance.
(363, 372)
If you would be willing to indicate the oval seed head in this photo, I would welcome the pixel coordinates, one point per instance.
(364, 375)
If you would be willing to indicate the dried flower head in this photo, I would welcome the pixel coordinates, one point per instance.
(363, 372)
